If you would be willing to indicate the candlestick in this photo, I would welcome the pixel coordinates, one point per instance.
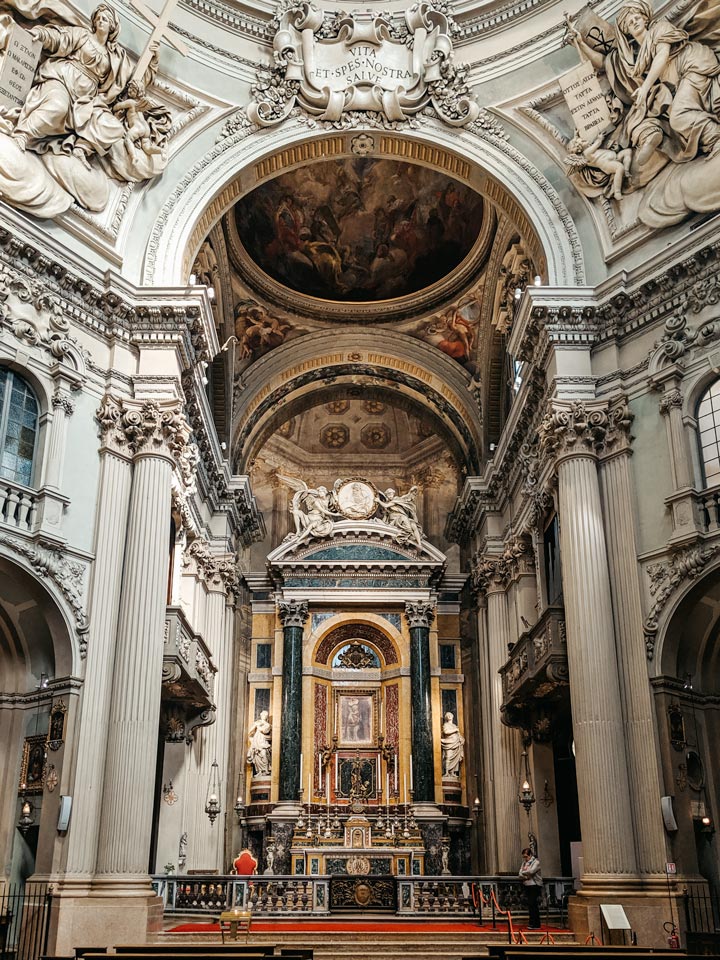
(327, 791)
(319, 770)
(381, 716)
(405, 788)
(396, 776)
(411, 774)
(309, 793)
(387, 787)
(301, 769)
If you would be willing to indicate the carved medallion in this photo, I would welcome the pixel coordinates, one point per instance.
(357, 499)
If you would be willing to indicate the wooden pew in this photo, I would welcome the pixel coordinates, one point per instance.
(181, 949)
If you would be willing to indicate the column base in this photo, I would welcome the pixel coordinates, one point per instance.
(646, 903)
(102, 914)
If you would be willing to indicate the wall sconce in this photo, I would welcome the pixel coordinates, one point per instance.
(526, 797)
(27, 819)
(477, 808)
(212, 804)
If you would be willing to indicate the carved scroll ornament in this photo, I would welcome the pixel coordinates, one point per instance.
(362, 62)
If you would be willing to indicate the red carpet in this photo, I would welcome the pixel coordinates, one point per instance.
(338, 926)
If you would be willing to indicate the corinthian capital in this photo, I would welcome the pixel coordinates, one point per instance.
(671, 398)
(143, 427)
(578, 429)
(293, 613)
(419, 614)
(489, 573)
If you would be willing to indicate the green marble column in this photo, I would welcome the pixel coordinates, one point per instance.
(419, 617)
(293, 615)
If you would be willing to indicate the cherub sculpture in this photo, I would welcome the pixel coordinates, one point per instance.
(616, 165)
(134, 106)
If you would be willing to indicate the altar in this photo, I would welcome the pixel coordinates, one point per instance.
(334, 843)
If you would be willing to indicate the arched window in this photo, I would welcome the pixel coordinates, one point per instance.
(18, 427)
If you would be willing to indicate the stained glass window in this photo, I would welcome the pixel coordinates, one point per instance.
(708, 415)
(18, 427)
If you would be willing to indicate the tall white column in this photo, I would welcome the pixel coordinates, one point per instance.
(643, 756)
(110, 526)
(573, 433)
(490, 575)
(157, 434)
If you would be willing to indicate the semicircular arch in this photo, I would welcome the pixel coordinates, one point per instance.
(38, 629)
(242, 161)
(370, 628)
(355, 356)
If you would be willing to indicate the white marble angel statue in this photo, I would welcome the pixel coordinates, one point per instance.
(313, 510)
(400, 511)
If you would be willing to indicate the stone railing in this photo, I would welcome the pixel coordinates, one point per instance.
(18, 505)
(710, 509)
(186, 656)
(31, 511)
(417, 896)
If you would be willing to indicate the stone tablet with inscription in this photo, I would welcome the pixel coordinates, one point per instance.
(18, 62)
(586, 101)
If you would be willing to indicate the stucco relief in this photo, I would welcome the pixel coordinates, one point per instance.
(80, 117)
(335, 64)
(647, 109)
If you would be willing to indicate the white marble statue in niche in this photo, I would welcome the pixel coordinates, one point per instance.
(86, 119)
(452, 743)
(663, 91)
(259, 752)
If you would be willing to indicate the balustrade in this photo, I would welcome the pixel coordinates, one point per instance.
(18, 505)
(414, 896)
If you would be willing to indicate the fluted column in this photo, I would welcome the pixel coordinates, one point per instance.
(490, 576)
(156, 434)
(293, 614)
(63, 406)
(643, 764)
(110, 526)
(419, 617)
(572, 433)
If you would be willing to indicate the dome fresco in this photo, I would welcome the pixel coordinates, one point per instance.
(359, 229)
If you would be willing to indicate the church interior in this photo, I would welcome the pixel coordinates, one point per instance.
(359, 474)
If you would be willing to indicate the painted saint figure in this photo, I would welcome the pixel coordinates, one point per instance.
(260, 736)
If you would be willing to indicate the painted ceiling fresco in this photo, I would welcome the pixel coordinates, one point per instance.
(359, 229)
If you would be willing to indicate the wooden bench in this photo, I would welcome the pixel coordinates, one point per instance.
(535, 950)
(180, 949)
